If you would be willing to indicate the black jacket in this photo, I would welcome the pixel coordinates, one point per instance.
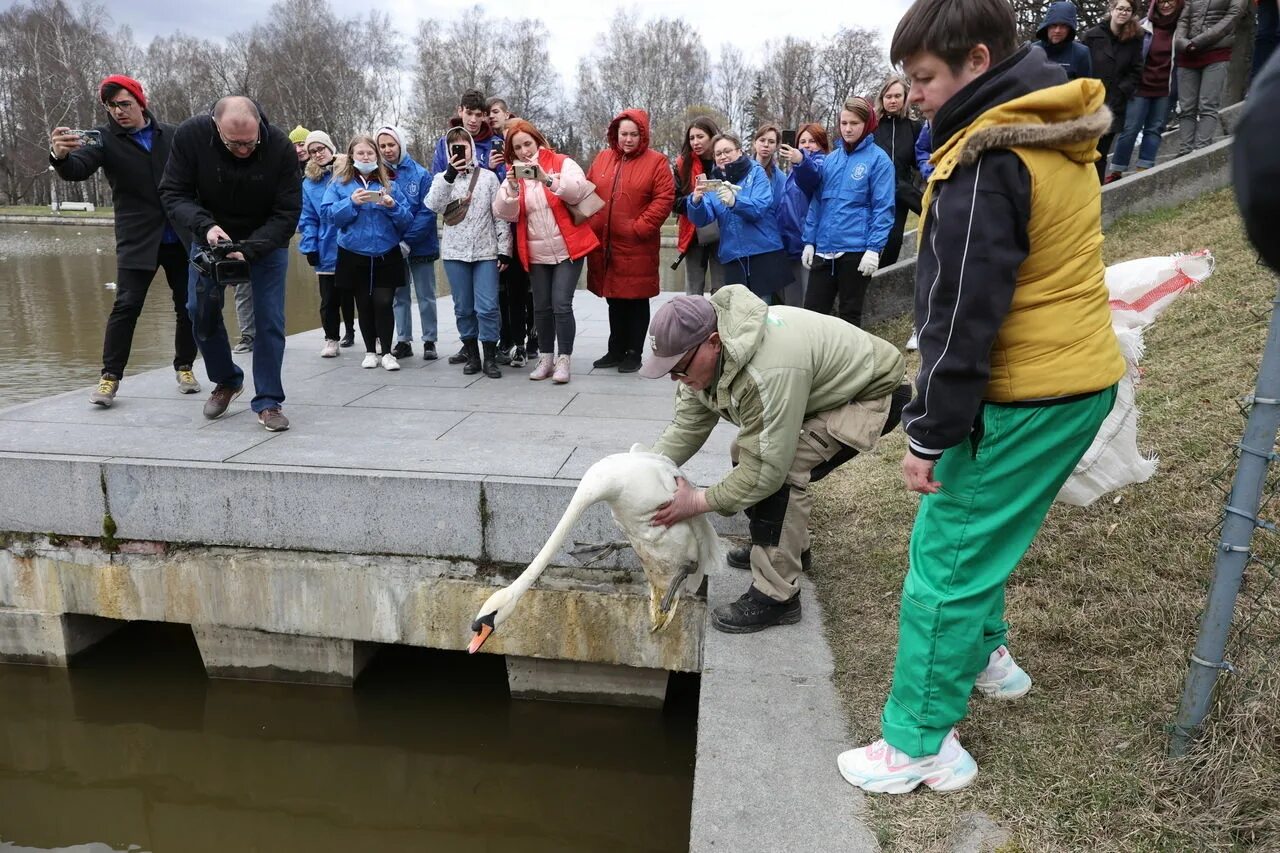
(134, 175)
(1118, 64)
(1256, 162)
(974, 242)
(897, 137)
(256, 200)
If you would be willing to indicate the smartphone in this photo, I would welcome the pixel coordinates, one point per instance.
(789, 138)
(457, 151)
(91, 138)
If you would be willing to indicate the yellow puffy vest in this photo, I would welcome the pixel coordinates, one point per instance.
(1056, 340)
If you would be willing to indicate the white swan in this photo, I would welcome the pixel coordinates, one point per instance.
(634, 485)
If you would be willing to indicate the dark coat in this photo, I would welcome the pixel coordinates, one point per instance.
(1256, 162)
(1069, 53)
(1118, 64)
(256, 199)
(134, 175)
(897, 137)
(638, 193)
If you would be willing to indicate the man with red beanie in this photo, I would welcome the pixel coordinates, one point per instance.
(131, 149)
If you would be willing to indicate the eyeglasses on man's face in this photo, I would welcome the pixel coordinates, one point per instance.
(121, 105)
(238, 144)
(679, 372)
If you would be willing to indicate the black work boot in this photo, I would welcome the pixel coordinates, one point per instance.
(473, 357)
(630, 362)
(740, 558)
(755, 611)
(459, 357)
(491, 360)
(609, 359)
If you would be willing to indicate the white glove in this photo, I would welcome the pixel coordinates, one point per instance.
(806, 257)
(870, 263)
(726, 196)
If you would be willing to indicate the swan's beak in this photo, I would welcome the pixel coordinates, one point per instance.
(483, 628)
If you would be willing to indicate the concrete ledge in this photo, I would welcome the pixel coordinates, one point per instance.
(58, 494)
(583, 615)
(769, 729)
(594, 683)
(261, 656)
(48, 639)
(1170, 184)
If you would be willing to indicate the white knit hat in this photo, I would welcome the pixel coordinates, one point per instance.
(321, 137)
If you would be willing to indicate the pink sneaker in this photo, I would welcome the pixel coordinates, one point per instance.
(562, 370)
(543, 370)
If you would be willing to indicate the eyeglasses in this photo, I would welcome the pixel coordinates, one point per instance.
(118, 105)
(237, 145)
(727, 152)
(679, 372)
(316, 149)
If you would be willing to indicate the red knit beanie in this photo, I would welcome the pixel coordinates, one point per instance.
(133, 87)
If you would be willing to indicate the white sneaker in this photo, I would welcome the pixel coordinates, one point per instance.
(330, 349)
(1003, 678)
(913, 342)
(881, 769)
(389, 362)
(370, 360)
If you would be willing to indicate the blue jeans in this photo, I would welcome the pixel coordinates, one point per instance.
(1147, 115)
(1267, 36)
(475, 298)
(267, 275)
(422, 275)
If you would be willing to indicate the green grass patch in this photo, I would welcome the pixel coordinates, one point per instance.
(43, 210)
(1104, 608)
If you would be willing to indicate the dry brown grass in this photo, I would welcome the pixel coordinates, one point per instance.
(1104, 608)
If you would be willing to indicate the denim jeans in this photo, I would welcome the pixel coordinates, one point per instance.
(1267, 36)
(475, 299)
(422, 274)
(553, 288)
(267, 275)
(1147, 115)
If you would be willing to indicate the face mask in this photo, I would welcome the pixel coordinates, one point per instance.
(366, 168)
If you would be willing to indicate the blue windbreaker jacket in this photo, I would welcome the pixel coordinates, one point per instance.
(319, 234)
(853, 209)
(802, 181)
(748, 228)
(366, 229)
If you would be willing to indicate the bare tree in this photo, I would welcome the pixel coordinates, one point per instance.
(852, 63)
(731, 85)
(793, 82)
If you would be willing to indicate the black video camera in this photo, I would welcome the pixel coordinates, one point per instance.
(213, 263)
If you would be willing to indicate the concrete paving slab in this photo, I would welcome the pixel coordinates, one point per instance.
(185, 412)
(110, 440)
(644, 407)
(614, 435)
(51, 493)
(342, 423)
(495, 396)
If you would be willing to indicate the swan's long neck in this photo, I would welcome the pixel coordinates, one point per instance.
(584, 497)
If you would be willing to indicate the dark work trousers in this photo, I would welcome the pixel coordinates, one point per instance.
(628, 324)
(893, 248)
(829, 279)
(373, 280)
(1104, 151)
(335, 306)
(131, 294)
(513, 305)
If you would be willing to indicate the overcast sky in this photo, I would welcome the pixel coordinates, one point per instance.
(576, 25)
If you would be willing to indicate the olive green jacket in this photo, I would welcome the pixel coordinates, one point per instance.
(778, 367)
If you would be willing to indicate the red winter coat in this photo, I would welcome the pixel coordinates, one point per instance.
(638, 193)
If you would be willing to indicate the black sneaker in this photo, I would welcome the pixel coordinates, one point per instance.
(429, 351)
(630, 363)
(503, 356)
(740, 558)
(755, 611)
(459, 357)
(348, 339)
(402, 350)
(607, 360)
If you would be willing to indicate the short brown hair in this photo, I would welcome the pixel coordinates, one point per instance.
(952, 28)
(818, 132)
(859, 106)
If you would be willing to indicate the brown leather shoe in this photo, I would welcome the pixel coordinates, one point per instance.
(219, 400)
(273, 419)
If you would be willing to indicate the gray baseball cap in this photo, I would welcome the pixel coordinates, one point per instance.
(678, 327)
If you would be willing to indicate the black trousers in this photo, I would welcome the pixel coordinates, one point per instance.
(337, 306)
(131, 295)
(515, 305)
(628, 324)
(373, 281)
(1104, 151)
(893, 248)
(829, 279)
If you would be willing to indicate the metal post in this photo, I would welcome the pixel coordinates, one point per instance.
(1256, 452)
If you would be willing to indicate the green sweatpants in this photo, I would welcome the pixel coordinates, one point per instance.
(967, 540)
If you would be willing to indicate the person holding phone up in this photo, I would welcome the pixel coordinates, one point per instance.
(806, 158)
(697, 245)
(475, 247)
(372, 216)
(739, 197)
(541, 185)
(850, 217)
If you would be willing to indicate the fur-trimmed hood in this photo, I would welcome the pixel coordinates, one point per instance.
(316, 172)
(1023, 101)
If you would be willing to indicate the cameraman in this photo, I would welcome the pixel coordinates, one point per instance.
(134, 147)
(232, 176)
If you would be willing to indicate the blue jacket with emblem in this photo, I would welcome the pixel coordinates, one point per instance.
(414, 181)
(853, 209)
(366, 229)
(802, 181)
(748, 228)
(319, 234)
